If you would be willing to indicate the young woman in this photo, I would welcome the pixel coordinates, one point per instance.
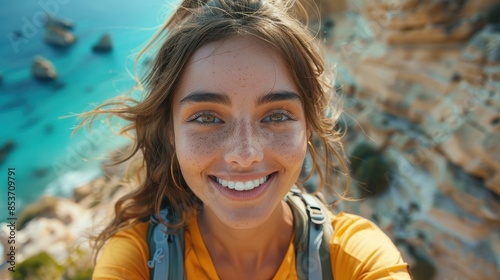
(234, 97)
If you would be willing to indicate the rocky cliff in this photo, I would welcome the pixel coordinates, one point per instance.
(420, 82)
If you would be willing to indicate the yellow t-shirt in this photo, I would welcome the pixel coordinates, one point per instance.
(358, 250)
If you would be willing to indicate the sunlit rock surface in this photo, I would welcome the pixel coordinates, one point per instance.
(420, 80)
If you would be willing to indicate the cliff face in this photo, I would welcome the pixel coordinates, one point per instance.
(421, 84)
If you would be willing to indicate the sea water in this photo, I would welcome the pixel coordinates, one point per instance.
(34, 115)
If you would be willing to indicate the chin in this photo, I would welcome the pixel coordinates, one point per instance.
(242, 219)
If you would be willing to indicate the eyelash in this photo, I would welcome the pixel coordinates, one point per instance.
(196, 117)
(288, 115)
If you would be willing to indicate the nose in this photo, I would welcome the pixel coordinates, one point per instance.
(244, 146)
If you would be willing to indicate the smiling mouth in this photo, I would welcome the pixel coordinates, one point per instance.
(240, 185)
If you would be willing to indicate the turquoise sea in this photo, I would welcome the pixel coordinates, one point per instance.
(47, 160)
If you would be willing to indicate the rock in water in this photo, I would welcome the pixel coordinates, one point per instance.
(5, 149)
(104, 45)
(43, 69)
(59, 37)
(59, 22)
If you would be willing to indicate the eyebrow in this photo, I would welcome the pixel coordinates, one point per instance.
(200, 96)
(211, 97)
(278, 96)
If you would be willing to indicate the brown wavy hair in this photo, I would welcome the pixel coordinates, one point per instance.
(149, 121)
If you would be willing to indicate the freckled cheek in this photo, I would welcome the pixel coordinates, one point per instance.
(195, 149)
(290, 147)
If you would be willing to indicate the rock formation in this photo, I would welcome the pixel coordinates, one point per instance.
(6, 149)
(58, 32)
(104, 45)
(422, 76)
(43, 69)
(59, 37)
(61, 226)
(59, 22)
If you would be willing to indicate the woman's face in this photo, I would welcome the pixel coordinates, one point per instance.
(240, 132)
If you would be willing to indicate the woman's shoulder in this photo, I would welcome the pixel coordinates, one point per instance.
(124, 254)
(359, 246)
(355, 235)
(346, 223)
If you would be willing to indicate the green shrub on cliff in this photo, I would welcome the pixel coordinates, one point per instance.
(371, 169)
(38, 267)
(77, 266)
(83, 275)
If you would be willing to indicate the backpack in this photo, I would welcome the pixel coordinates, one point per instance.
(313, 230)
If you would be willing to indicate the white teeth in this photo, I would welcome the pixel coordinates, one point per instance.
(239, 186)
(242, 186)
(249, 185)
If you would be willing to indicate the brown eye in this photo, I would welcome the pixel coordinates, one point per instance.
(277, 117)
(205, 118)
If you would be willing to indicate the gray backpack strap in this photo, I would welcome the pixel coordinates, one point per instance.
(166, 251)
(313, 231)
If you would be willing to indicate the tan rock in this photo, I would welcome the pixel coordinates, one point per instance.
(433, 67)
(81, 192)
(463, 145)
(473, 8)
(491, 150)
(472, 72)
(460, 225)
(451, 254)
(455, 261)
(487, 117)
(59, 37)
(430, 35)
(478, 167)
(45, 234)
(397, 106)
(486, 209)
(419, 19)
(43, 69)
(86, 190)
(50, 207)
(59, 22)
(376, 80)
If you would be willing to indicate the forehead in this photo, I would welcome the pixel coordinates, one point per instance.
(241, 65)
